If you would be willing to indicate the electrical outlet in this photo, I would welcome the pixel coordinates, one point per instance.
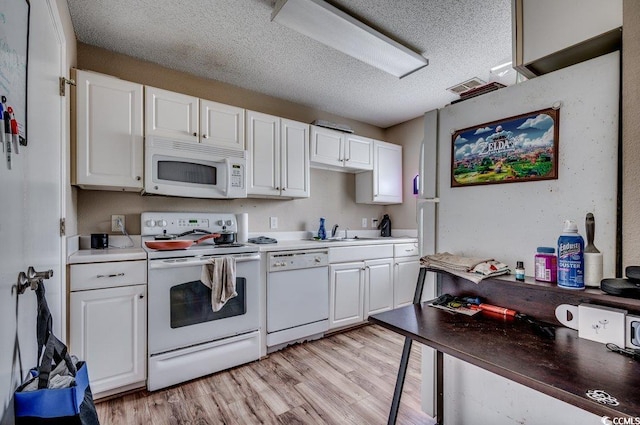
(364, 222)
(374, 222)
(114, 222)
(273, 222)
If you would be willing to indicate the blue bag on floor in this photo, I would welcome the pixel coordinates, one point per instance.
(70, 405)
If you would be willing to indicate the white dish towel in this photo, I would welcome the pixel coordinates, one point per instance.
(219, 274)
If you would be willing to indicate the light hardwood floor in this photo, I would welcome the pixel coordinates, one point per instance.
(346, 378)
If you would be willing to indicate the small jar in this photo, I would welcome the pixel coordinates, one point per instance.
(546, 264)
(520, 271)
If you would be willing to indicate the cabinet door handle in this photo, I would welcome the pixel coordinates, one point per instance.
(110, 275)
(195, 134)
(284, 188)
(138, 178)
(141, 296)
(204, 136)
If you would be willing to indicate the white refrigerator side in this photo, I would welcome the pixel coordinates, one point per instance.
(426, 215)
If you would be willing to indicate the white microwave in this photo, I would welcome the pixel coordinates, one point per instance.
(193, 170)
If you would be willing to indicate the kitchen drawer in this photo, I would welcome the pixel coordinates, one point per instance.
(341, 254)
(107, 275)
(406, 250)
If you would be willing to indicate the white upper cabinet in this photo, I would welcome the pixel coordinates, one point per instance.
(550, 34)
(327, 146)
(382, 185)
(358, 152)
(182, 117)
(340, 151)
(278, 155)
(263, 143)
(109, 133)
(221, 125)
(294, 159)
(170, 114)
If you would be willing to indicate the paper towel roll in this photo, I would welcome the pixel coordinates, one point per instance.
(243, 227)
(592, 269)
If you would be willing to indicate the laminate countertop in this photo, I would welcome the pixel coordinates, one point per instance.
(137, 253)
(84, 256)
(289, 245)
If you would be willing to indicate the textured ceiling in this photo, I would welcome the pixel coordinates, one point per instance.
(234, 41)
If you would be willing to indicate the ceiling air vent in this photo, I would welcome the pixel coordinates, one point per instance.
(467, 85)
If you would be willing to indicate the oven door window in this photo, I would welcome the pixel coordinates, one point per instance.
(187, 172)
(190, 304)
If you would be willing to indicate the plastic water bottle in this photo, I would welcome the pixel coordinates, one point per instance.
(322, 232)
(570, 257)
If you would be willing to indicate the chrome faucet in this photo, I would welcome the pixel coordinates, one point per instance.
(334, 230)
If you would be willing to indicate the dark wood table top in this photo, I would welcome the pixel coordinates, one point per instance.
(564, 368)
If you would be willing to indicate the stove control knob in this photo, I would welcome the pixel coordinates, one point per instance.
(220, 222)
(317, 259)
(150, 223)
(161, 223)
(229, 222)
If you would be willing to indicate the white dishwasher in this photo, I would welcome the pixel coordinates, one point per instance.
(297, 297)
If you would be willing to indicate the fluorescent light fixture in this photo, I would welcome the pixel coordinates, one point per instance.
(331, 26)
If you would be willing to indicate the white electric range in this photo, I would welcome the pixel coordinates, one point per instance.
(186, 338)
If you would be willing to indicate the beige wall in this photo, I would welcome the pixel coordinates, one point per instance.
(332, 193)
(408, 134)
(631, 133)
(332, 196)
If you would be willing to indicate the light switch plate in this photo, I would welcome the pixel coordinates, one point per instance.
(602, 324)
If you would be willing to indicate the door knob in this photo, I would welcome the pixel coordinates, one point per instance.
(32, 273)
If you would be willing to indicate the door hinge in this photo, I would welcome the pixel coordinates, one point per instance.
(63, 85)
(62, 227)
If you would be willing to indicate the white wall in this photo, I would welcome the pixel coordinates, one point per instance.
(508, 221)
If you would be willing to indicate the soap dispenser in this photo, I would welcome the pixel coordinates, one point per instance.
(322, 232)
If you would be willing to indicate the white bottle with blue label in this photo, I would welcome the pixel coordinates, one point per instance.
(570, 257)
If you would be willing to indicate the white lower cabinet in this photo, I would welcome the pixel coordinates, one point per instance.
(346, 294)
(378, 286)
(405, 277)
(108, 329)
(359, 288)
(405, 273)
